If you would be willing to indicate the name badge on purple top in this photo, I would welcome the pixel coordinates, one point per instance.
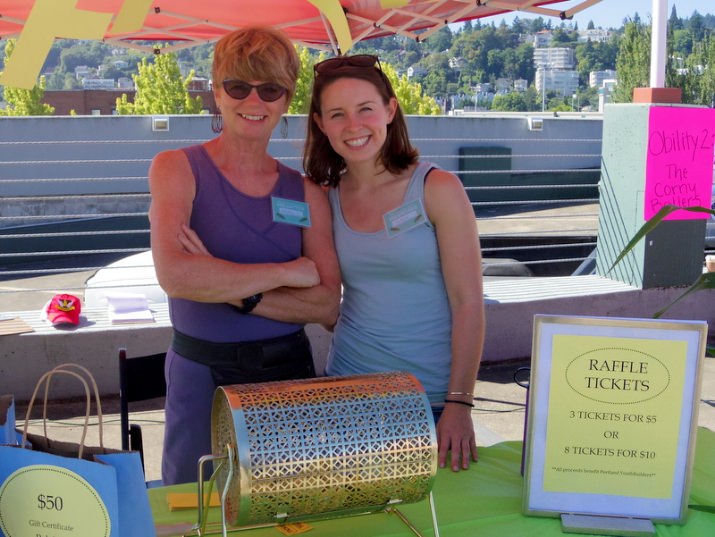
(295, 213)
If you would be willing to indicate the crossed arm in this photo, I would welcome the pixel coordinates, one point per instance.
(304, 290)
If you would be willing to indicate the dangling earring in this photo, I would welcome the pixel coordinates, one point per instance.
(284, 128)
(217, 121)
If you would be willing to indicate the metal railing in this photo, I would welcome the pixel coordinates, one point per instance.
(76, 205)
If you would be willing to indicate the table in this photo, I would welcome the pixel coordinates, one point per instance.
(485, 500)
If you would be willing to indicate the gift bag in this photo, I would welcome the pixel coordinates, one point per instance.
(63, 488)
(7, 420)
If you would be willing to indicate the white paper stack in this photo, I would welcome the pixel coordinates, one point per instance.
(129, 308)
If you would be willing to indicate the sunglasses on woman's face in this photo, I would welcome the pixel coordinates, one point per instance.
(268, 92)
(359, 60)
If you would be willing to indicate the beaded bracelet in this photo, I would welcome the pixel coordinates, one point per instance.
(470, 394)
(459, 402)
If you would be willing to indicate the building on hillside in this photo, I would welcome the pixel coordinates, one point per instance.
(200, 83)
(554, 58)
(561, 81)
(98, 83)
(596, 78)
(82, 71)
(543, 38)
(554, 70)
(521, 85)
(94, 102)
(503, 85)
(596, 35)
(416, 70)
(605, 93)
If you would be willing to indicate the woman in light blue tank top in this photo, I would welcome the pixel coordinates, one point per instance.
(408, 247)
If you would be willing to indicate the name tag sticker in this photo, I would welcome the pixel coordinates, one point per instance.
(406, 217)
(285, 211)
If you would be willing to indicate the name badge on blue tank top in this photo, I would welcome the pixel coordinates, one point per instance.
(404, 218)
(285, 211)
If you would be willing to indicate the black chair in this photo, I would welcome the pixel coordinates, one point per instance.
(140, 379)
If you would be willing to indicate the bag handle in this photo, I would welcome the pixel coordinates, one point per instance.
(66, 369)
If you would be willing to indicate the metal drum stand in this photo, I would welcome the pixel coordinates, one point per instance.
(320, 448)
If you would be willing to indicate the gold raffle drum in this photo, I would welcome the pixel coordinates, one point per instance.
(331, 446)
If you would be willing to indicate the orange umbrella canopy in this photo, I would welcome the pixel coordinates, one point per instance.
(333, 25)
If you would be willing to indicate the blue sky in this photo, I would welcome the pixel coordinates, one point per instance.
(610, 13)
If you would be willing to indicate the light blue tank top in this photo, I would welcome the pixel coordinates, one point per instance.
(395, 315)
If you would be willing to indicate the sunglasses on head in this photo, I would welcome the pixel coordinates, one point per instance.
(268, 92)
(359, 60)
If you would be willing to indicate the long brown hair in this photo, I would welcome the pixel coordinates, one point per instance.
(321, 163)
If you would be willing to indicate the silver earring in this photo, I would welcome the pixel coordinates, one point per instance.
(284, 128)
(217, 122)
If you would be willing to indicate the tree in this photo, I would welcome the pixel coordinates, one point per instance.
(440, 41)
(24, 102)
(160, 89)
(412, 100)
(633, 61)
(509, 102)
(301, 100)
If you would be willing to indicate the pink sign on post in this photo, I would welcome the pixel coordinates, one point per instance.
(679, 165)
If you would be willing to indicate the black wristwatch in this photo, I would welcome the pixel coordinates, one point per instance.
(249, 303)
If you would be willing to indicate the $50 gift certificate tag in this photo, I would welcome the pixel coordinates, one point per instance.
(44, 500)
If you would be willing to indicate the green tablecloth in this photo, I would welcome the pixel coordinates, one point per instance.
(486, 500)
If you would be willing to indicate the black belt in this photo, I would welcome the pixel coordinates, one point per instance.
(262, 360)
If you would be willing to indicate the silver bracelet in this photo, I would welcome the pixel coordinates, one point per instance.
(461, 393)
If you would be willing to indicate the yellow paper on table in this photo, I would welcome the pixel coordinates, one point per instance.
(189, 500)
(615, 427)
(294, 528)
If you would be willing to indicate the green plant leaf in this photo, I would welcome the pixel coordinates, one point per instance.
(705, 281)
(651, 224)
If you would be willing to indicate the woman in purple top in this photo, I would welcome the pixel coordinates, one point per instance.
(266, 262)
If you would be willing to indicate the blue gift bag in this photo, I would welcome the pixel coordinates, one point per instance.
(62, 488)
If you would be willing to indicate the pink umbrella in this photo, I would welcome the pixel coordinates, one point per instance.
(333, 25)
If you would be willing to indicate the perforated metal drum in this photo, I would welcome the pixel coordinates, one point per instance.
(337, 445)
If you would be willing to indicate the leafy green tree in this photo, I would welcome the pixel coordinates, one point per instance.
(24, 102)
(301, 100)
(89, 53)
(697, 80)
(160, 90)
(412, 100)
(633, 61)
(440, 41)
(509, 102)
(674, 21)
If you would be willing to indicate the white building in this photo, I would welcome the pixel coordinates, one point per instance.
(562, 81)
(605, 93)
(543, 38)
(416, 70)
(554, 58)
(596, 78)
(521, 85)
(82, 71)
(596, 35)
(98, 83)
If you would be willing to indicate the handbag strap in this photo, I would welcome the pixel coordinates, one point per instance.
(66, 369)
(97, 403)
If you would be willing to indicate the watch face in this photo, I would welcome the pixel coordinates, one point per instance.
(255, 299)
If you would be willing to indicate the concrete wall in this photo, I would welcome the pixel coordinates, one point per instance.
(58, 155)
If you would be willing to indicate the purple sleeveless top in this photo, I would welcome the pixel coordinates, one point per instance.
(238, 228)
